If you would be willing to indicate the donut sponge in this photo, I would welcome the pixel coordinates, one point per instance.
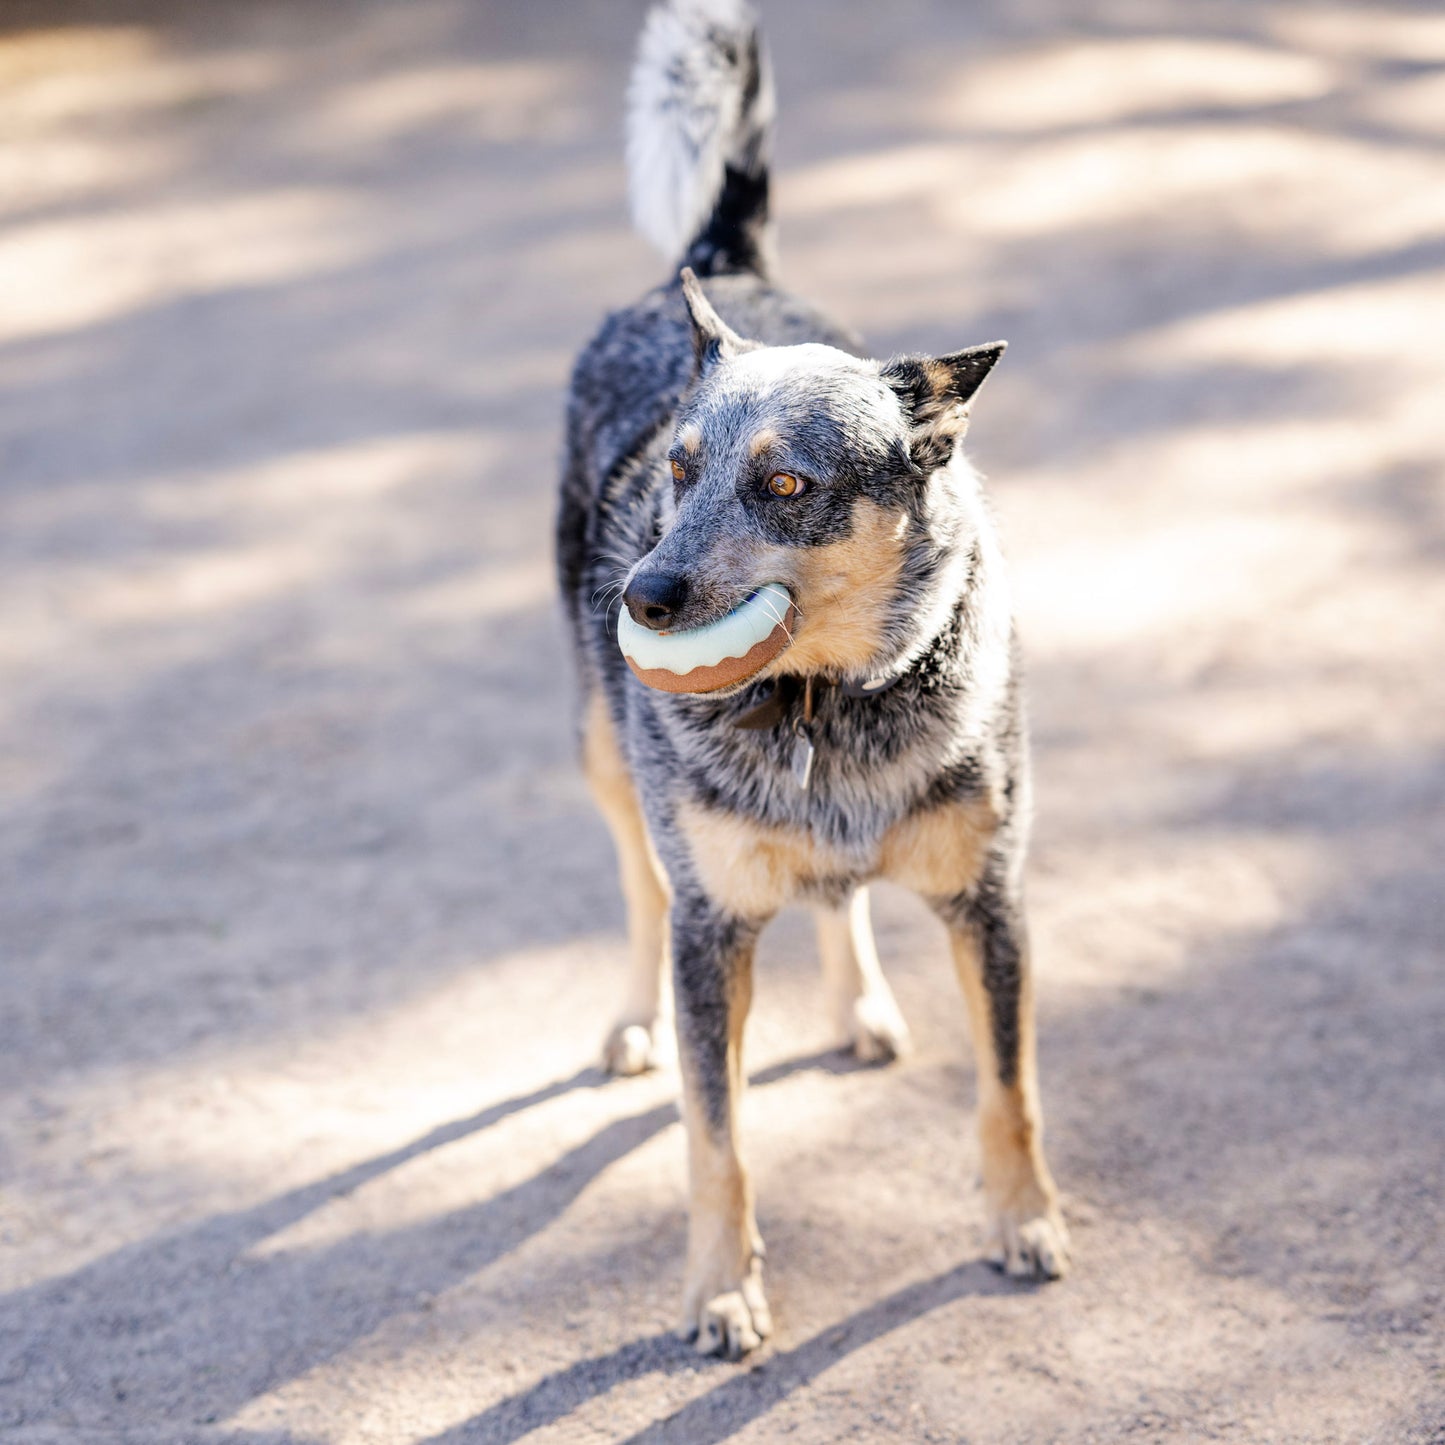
(719, 654)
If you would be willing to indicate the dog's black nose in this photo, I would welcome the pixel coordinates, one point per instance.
(655, 598)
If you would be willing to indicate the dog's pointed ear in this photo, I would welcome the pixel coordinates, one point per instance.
(713, 340)
(936, 392)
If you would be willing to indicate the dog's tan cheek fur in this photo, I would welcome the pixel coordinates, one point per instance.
(846, 591)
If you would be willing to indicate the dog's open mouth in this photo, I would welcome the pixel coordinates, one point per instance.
(717, 655)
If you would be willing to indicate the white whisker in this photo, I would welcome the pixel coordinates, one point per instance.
(768, 604)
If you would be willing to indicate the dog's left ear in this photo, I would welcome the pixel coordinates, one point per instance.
(713, 340)
(935, 392)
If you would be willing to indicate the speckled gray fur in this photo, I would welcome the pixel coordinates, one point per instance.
(950, 728)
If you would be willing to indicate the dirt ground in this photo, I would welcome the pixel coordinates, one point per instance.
(309, 931)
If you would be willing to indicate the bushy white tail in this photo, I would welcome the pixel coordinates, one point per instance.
(700, 112)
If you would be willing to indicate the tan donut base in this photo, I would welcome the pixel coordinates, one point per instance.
(727, 673)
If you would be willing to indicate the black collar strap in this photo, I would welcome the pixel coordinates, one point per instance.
(783, 690)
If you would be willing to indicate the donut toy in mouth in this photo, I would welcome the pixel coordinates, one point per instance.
(719, 654)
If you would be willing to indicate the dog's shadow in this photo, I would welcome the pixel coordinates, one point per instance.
(742, 1395)
(143, 1309)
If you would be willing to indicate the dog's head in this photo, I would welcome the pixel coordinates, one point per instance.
(832, 475)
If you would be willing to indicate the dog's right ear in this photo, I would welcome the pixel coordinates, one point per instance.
(713, 340)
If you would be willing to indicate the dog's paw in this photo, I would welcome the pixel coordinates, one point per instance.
(633, 1049)
(1030, 1243)
(728, 1322)
(879, 1034)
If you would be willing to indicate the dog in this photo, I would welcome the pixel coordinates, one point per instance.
(798, 666)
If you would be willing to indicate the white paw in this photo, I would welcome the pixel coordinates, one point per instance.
(1030, 1244)
(879, 1034)
(728, 1322)
(633, 1049)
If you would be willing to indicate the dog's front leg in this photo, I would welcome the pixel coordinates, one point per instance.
(724, 1309)
(990, 953)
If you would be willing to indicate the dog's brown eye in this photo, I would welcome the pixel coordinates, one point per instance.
(785, 484)
(679, 472)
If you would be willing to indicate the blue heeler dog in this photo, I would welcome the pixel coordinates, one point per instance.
(812, 679)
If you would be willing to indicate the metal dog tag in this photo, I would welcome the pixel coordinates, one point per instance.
(803, 751)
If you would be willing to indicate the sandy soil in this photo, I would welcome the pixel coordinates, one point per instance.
(309, 931)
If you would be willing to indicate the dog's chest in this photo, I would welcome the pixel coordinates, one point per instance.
(752, 865)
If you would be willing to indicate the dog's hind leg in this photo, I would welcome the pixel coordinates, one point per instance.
(724, 1308)
(860, 1002)
(990, 953)
(640, 1039)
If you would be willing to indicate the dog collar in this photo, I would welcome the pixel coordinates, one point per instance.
(781, 692)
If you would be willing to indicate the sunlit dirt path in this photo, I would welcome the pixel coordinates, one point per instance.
(308, 932)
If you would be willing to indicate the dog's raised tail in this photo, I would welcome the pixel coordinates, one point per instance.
(699, 130)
